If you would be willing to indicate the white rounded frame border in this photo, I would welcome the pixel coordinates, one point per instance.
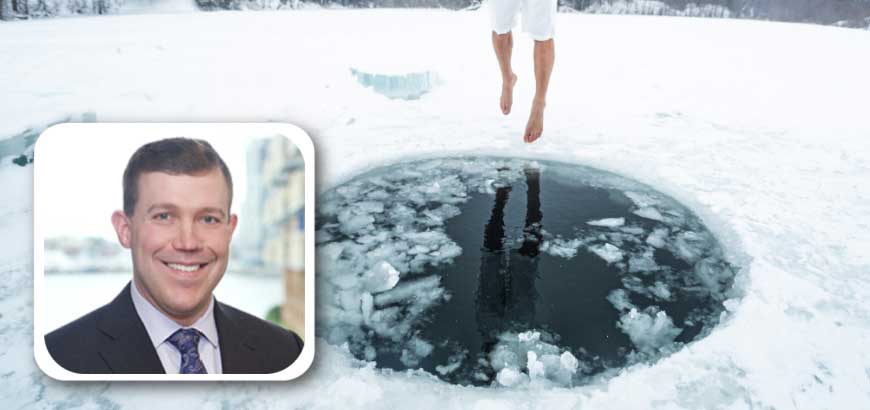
(295, 134)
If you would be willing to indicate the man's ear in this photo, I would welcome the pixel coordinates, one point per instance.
(234, 220)
(122, 227)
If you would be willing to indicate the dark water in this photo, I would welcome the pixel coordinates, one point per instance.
(503, 281)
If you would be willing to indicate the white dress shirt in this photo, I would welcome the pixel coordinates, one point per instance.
(160, 327)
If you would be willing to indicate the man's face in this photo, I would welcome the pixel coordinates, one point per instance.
(179, 235)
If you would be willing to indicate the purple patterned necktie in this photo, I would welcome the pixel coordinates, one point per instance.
(186, 341)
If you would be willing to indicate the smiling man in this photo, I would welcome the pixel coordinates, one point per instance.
(178, 225)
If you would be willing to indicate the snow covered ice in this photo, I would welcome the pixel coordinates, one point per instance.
(758, 128)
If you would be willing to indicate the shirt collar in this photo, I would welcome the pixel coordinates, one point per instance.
(160, 327)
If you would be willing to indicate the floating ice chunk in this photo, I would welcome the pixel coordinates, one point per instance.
(660, 291)
(370, 353)
(608, 252)
(416, 349)
(642, 200)
(436, 217)
(690, 246)
(372, 239)
(541, 361)
(644, 262)
(380, 277)
(425, 288)
(634, 230)
(351, 222)
(504, 357)
(607, 222)
(453, 362)
(714, 274)
(330, 251)
(322, 236)
(378, 195)
(400, 214)
(530, 336)
(620, 238)
(619, 299)
(536, 368)
(649, 330)
(344, 280)
(657, 237)
(510, 377)
(649, 212)
(349, 191)
(367, 305)
(569, 362)
(369, 207)
(561, 248)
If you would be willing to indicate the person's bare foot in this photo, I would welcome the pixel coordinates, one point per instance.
(535, 126)
(507, 94)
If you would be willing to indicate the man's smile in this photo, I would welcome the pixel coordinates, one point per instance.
(185, 267)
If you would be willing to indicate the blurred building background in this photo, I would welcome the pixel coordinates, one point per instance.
(273, 239)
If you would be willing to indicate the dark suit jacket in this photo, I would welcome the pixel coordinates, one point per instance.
(112, 339)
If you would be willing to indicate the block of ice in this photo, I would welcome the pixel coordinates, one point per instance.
(453, 362)
(660, 291)
(352, 222)
(536, 368)
(619, 299)
(380, 277)
(641, 199)
(367, 306)
(607, 222)
(419, 289)
(538, 361)
(649, 330)
(690, 246)
(644, 262)
(410, 86)
(561, 248)
(569, 362)
(510, 377)
(649, 212)
(657, 237)
(608, 252)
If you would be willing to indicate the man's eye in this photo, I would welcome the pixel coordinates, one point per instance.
(163, 216)
(210, 219)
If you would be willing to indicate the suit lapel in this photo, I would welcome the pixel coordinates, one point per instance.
(126, 347)
(238, 350)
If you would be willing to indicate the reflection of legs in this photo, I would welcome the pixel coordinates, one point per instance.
(524, 263)
(532, 231)
(493, 239)
(490, 288)
(545, 55)
(503, 45)
(491, 297)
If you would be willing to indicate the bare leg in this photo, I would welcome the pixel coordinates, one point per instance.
(503, 45)
(545, 55)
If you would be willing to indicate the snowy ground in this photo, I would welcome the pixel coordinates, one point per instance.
(757, 127)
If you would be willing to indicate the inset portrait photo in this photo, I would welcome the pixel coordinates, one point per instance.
(173, 252)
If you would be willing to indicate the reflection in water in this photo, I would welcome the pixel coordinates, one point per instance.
(506, 291)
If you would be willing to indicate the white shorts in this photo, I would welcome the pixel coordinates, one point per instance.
(539, 17)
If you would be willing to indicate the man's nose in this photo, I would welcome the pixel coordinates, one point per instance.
(187, 238)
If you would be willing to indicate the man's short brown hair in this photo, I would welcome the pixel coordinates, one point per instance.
(174, 156)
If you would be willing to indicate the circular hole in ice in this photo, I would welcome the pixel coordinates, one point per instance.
(494, 271)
